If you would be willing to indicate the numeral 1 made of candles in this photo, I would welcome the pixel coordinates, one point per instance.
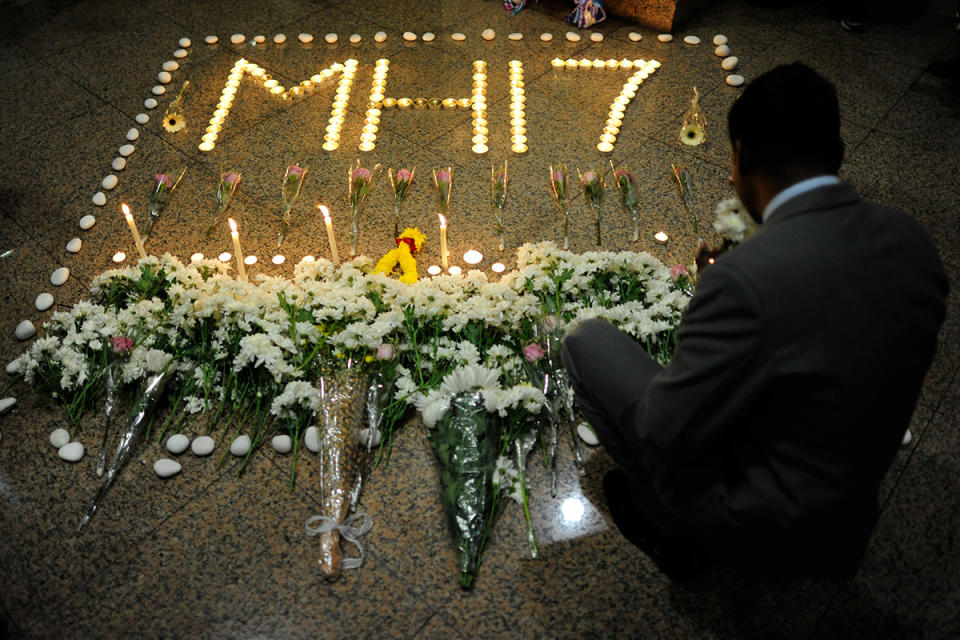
(377, 101)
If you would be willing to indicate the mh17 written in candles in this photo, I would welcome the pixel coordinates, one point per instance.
(378, 101)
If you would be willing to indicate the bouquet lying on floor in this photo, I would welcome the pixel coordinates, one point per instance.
(334, 357)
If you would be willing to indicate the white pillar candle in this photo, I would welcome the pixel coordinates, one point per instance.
(133, 229)
(237, 253)
(443, 241)
(333, 240)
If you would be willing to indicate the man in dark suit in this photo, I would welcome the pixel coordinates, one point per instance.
(799, 363)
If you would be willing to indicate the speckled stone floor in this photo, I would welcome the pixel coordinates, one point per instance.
(209, 555)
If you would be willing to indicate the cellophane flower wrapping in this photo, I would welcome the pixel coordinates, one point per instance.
(343, 452)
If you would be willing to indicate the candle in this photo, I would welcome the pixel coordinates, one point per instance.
(434, 270)
(454, 270)
(473, 257)
(197, 257)
(661, 237)
(133, 229)
(278, 259)
(333, 240)
(238, 254)
(443, 241)
(119, 256)
(498, 267)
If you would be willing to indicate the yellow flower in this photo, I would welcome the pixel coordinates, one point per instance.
(173, 122)
(414, 234)
(402, 256)
(692, 134)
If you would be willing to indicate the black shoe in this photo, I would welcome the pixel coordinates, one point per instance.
(677, 559)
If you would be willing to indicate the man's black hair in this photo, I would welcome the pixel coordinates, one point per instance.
(788, 118)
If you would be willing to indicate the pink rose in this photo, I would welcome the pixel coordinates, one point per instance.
(589, 177)
(678, 270)
(404, 175)
(231, 178)
(121, 344)
(533, 352)
(443, 176)
(361, 173)
(295, 170)
(385, 351)
(557, 176)
(162, 178)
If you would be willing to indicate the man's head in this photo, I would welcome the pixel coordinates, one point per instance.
(784, 127)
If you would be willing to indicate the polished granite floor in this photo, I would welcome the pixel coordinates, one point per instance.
(210, 555)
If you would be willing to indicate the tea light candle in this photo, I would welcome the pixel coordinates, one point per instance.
(454, 270)
(249, 260)
(498, 267)
(235, 235)
(119, 256)
(133, 229)
(330, 236)
(661, 237)
(473, 257)
(197, 257)
(434, 270)
(224, 257)
(443, 241)
(278, 259)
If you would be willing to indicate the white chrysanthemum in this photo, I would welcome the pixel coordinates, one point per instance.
(297, 396)
(730, 225)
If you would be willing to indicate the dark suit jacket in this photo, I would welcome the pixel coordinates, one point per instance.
(799, 364)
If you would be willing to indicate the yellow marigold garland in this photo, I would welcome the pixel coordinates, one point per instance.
(408, 243)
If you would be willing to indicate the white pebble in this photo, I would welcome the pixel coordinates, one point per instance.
(573, 36)
(184, 42)
(87, 222)
(355, 38)
(59, 276)
(546, 37)
(164, 77)
(165, 467)
(330, 37)
(305, 38)
(126, 150)
(202, 446)
(211, 39)
(635, 37)
(180, 53)
(691, 40)
(373, 437)
(312, 439)
(240, 446)
(409, 36)
(44, 301)
(237, 38)
(71, 452)
(158, 90)
(170, 65)
(119, 163)
(25, 330)
(279, 38)
(150, 103)
(6, 403)
(380, 36)
(133, 134)
(177, 444)
(59, 437)
(596, 36)
(729, 64)
(734, 80)
(428, 36)
(259, 39)
(109, 182)
(458, 37)
(282, 443)
(142, 118)
(515, 36)
(587, 435)
(907, 438)
(719, 39)
(488, 34)
(74, 245)
(13, 367)
(664, 37)
(99, 199)
(722, 51)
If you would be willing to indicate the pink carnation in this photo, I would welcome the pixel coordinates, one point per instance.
(121, 344)
(231, 177)
(589, 177)
(443, 176)
(361, 173)
(295, 170)
(164, 179)
(404, 175)
(678, 270)
(533, 352)
(550, 322)
(557, 176)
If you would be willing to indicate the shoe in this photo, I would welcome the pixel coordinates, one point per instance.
(852, 25)
(677, 559)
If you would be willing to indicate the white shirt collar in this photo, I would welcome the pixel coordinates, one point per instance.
(797, 189)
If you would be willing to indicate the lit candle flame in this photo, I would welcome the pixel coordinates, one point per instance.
(233, 225)
(443, 221)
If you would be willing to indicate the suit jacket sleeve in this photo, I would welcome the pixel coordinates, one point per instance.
(687, 419)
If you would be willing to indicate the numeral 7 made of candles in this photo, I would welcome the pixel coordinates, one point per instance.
(378, 102)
